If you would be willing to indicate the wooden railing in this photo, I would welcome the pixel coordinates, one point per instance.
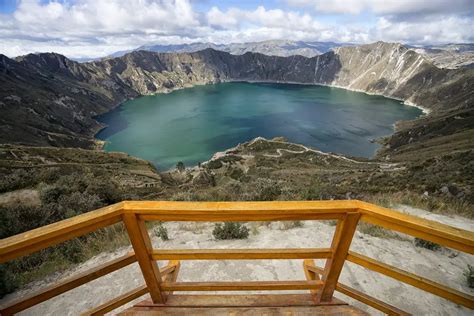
(159, 283)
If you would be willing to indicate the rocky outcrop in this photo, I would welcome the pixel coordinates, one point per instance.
(47, 99)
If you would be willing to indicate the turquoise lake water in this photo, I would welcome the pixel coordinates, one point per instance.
(190, 125)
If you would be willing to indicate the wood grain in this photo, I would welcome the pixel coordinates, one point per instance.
(442, 234)
(53, 234)
(69, 284)
(413, 279)
(340, 244)
(241, 286)
(362, 297)
(141, 244)
(241, 254)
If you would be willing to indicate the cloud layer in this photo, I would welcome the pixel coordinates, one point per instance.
(91, 28)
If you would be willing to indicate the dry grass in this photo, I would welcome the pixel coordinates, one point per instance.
(428, 203)
(377, 231)
(195, 227)
(28, 197)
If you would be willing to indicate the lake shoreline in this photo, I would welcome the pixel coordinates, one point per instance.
(425, 110)
(256, 113)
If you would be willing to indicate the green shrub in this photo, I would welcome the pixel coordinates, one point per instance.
(50, 194)
(269, 193)
(180, 166)
(469, 274)
(8, 281)
(230, 230)
(72, 250)
(162, 232)
(426, 244)
(77, 203)
(214, 164)
(108, 192)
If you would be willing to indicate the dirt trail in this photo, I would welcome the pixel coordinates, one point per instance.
(445, 266)
(304, 149)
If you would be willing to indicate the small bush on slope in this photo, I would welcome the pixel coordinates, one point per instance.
(230, 230)
(426, 244)
(469, 274)
(162, 232)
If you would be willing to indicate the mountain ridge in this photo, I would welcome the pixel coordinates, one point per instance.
(61, 97)
(283, 48)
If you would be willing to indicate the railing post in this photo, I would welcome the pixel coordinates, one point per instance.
(142, 245)
(340, 245)
(310, 275)
(173, 276)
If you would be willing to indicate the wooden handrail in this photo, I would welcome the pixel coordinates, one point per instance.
(442, 234)
(239, 211)
(117, 302)
(241, 254)
(53, 234)
(358, 295)
(242, 286)
(412, 279)
(67, 285)
(134, 213)
(126, 297)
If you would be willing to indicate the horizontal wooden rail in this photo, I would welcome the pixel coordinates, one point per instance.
(239, 211)
(442, 234)
(331, 206)
(240, 300)
(66, 285)
(244, 217)
(362, 297)
(412, 279)
(53, 234)
(370, 300)
(241, 286)
(126, 297)
(118, 301)
(241, 254)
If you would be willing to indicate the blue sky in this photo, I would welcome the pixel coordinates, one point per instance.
(93, 28)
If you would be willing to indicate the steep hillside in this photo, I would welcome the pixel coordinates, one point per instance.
(47, 99)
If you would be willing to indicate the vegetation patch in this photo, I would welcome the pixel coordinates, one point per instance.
(377, 231)
(426, 244)
(161, 232)
(469, 274)
(230, 230)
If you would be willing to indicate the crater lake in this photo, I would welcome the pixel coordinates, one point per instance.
(191, 124)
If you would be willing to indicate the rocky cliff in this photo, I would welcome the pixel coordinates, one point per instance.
(47, 99)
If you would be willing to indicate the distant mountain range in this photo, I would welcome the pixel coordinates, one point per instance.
(281, 48)
(450, 56)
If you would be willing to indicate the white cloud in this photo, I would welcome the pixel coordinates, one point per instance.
(105, 24)
(275, 18)
(450, 29)
(93, 28)
(387, 6)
